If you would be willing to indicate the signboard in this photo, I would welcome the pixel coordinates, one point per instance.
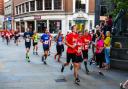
(37, 17)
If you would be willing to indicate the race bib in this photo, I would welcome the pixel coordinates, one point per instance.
(27, 40)
(46, 42)
(60, 43)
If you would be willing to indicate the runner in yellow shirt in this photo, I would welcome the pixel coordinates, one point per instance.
(35, 43)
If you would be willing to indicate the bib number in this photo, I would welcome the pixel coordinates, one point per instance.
(46, 42)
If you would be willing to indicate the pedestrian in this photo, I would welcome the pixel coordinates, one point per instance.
(45, 40)
(124, 85)
(27, 37)
(86, 41)
(100, 52)
(70, 41)
(59, 42)
(35, 43)
(107, 44)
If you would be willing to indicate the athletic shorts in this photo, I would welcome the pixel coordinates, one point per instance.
(46, 48)
(78, 59)
(35, 43)
(28, 45)
(85, 54)
(59, 49)
(71, 56)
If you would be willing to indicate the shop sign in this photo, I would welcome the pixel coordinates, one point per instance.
(37, 17)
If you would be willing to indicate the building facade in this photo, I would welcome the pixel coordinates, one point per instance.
(56, 15)
(1, 7)
(1, 13)
(8, 13)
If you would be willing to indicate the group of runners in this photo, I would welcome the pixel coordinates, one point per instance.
(78, 45)
(8, 35)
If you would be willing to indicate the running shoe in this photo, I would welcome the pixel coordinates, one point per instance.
(42, 58)
(45, 62)
(62, 69)
(101, 73)
(77, 81)
(121, 86)
(71, 67)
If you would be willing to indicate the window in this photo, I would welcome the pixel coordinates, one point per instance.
(103, 10)
(27, 6)
(57, 4)
(48, 4)
(80, 5)
(23, 8)
(41, 25)
(32, 5)
(54, 26)
(17, 10)
(39, 4)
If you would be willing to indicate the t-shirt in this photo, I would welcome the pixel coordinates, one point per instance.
(99, 46)
(59, 40)
(79, 47)
(86, 41)
(107, 42)
(71, 39)
(27, 37)
(35, 38)
(45, 39)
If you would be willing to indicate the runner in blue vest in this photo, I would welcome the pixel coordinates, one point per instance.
(59, 40)
(45, 39)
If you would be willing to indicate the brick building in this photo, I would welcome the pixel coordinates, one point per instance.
(54, 14)
(1, 7)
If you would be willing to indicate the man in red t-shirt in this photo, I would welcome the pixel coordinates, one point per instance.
(86, 41)
(71, 40)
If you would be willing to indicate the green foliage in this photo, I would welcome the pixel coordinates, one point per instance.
(120, 4)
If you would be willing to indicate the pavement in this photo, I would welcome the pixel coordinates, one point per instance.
(16, 73)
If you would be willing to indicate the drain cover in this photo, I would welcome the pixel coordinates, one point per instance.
(60, 80)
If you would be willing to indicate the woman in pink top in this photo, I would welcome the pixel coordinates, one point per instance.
(99, 51)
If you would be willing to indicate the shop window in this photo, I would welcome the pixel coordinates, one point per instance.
(57, 4)
(39, 4)
(22, 27)
(32, 5)
(54, 26)
(48, 4)
(41, 25)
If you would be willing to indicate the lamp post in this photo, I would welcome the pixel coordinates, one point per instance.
(97, 12)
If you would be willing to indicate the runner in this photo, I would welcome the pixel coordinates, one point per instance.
(71, 40)
(7, 36)
(27, 37)
(86, 42)
(45, 39)
(59, 40)
(50, 43)
(17, 35)
(35, 43)
(3, 35)
(79, 59)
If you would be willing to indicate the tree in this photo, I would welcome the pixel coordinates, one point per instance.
(119, 5)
